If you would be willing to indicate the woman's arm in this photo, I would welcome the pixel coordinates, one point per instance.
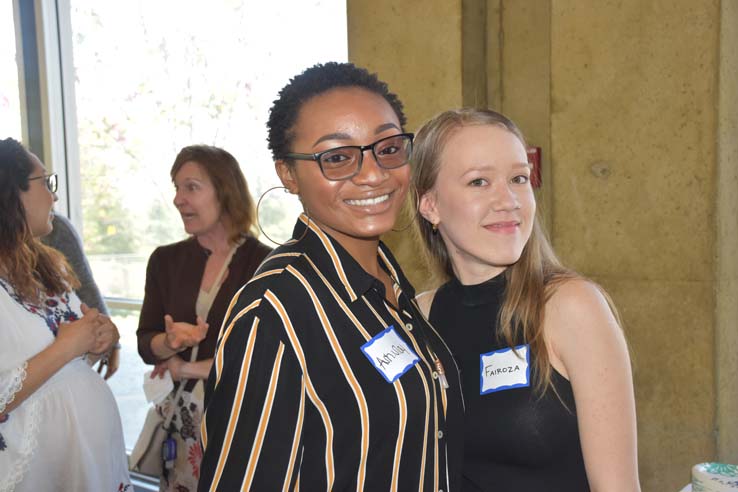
(177, 337)
(72, 340)
(588, 346)
(257, 387)
(159, 336)
(182, 369)
(66, 239)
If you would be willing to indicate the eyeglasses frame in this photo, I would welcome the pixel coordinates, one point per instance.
(362, 148)
(48, 180)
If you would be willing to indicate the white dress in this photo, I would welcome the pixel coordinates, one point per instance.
(67, 435)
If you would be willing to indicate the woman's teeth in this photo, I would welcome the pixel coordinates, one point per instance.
(369, 201)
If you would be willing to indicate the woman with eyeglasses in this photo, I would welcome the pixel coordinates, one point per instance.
(326, 375)
(545, 368)
(59, 423)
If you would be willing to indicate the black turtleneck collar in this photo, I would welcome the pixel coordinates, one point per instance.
(489, 291)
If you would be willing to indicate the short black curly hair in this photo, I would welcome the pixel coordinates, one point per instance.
(314, 81)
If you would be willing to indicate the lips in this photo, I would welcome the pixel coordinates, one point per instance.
(504, 227)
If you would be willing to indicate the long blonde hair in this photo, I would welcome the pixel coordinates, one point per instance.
(531, 280)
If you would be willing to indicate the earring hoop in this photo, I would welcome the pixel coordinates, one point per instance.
(261, 228)
(434, 228)
(414, 211)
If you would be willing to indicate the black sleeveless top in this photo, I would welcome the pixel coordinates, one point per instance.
(514, 440)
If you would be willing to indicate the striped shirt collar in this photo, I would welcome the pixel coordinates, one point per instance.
(338, 265)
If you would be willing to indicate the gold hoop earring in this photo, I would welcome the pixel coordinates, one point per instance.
(414, 212)
(258, 219)
(434, 228)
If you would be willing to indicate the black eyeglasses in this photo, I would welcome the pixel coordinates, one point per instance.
(52, 183)
(345, 162)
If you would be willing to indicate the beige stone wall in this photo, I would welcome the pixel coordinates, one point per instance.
(727, 236)
(635, 104)
(633, 133)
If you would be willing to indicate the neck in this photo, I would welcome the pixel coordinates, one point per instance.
(365, 254)
(215, 240)
(475, 273)
(364, 251)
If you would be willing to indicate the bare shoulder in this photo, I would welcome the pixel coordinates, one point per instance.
(577, 296)
(578, 309)
(425, 300)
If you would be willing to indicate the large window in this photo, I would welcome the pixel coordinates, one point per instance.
(10, 115)
(152, 77)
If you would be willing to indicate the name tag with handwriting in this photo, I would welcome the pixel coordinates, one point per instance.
(503, 369)
(389, 354)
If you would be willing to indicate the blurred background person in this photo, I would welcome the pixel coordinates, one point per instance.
(59, 423)
(189, 285)
(545, 367)
(64, 237)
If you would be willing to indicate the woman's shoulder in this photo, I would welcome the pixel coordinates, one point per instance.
(575, 294)
(279, 271)
(579, 314)
(173, 250)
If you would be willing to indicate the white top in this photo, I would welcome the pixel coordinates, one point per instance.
(67, 435)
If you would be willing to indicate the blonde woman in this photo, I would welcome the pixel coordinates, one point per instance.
(545, 370)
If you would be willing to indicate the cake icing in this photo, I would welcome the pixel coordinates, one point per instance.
(714, 477)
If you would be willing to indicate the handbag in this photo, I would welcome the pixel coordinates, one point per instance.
(146, 456)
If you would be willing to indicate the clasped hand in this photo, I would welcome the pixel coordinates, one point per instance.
(93, 332)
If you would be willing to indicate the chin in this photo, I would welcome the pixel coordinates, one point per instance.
(376, 229)
(506, 261)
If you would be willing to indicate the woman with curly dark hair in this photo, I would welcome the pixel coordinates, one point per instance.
(326, 376)
(59, 424)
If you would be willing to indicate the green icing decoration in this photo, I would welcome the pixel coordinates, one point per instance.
(722, 469)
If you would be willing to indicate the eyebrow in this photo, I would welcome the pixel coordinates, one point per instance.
(187, 180)
(332, 136)
(384, 127)
(346, 136)
(488, 167)
(527, 165)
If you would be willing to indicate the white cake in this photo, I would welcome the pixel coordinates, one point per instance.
(714, 477)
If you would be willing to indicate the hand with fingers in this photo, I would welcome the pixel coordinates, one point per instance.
(80, 337)
(173, 365)
(110, 363)
(106, 333)
(181, 335)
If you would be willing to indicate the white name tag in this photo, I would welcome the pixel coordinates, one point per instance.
(389, 354)
(502, 370)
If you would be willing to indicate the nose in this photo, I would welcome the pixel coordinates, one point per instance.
(178, 199)
(371, 173)
(503, 197)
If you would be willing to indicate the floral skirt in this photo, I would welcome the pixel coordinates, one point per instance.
(183, 476)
